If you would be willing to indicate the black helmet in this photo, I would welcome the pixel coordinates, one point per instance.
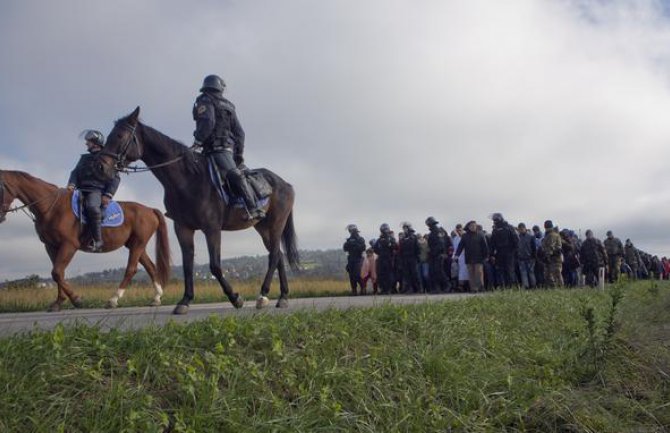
(430, 221)
(352, 228)
(213, 82)
(384, 228)
(93, 136)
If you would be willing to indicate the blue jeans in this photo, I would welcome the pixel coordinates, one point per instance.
(527, 271)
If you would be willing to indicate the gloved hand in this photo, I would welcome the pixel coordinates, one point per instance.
(196, 146)
(70, 187)
(105, 200)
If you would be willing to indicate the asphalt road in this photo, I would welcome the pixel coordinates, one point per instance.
(139, 317)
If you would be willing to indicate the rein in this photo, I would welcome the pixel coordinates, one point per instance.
(136, 169)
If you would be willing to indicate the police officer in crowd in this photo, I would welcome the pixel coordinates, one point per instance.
(96, 188)
(219, 133)
(385, 247)
(439, 244)
(504, 245)
(409, 258)
(354, 246)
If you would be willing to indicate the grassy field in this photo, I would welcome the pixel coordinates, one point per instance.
(546, 361)
(17, 300)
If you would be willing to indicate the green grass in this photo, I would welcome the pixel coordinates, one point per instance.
(24, 299)
(565, 361)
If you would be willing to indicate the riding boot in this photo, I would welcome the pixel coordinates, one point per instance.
(247, 194)
(96, 231)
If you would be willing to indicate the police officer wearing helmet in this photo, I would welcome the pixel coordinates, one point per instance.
(97, 190)
(438, 246)
(385, 247)
(504, 246)
(354, 246)
(409, 257)
(218, 132)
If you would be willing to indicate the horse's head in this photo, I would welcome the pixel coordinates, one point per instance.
(6, 199)
(123, 144)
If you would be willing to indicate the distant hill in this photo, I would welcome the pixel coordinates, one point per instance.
(317, 263)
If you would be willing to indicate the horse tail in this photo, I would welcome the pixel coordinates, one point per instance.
(162, 250)
(290, 242)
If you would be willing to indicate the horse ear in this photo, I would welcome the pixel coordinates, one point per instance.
(134, 116)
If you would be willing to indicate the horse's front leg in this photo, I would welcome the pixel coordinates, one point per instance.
(186, 243)
(60, 256)
(213, 237)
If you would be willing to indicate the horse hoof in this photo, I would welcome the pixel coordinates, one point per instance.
(54, 307)
(111, 304)
(155, 303)
(77, 302)
(180, 309)
(239, 302)
(282, 303)
(262, 302)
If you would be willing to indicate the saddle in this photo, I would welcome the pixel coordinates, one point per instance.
(259, 185)
(113, 213)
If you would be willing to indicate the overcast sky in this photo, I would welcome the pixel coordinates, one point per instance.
(376, 111)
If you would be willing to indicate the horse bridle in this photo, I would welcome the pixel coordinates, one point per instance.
(120, 158)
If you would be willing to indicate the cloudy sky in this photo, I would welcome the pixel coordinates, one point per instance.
(376, 111)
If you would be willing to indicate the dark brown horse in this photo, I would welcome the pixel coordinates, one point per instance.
(59, 230)
(194, 204)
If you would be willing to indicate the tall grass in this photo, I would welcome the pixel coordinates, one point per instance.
(512, 361)
(16, 300)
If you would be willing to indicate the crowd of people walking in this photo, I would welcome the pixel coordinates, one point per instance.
(472, 259)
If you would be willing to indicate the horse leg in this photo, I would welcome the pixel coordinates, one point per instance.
(131, 269)
(60, 297)
(272, 244)
(60, 258)
(282, 302)
(151, 270)
(186, 243)
(214, 248)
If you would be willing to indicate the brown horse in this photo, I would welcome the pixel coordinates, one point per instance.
(59, 230)
(194, 204)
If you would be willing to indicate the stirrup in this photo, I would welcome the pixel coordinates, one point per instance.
(256, 214)
(95, 246)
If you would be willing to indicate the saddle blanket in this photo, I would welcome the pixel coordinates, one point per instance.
(113, 213)
(237, 201)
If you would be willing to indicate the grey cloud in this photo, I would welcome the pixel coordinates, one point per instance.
(375, 111)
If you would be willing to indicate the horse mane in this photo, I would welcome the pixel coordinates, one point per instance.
(156, 136)
(164, 141)
(29, 177)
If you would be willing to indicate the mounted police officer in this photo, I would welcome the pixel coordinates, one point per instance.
(97, 190)
(219, 133)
